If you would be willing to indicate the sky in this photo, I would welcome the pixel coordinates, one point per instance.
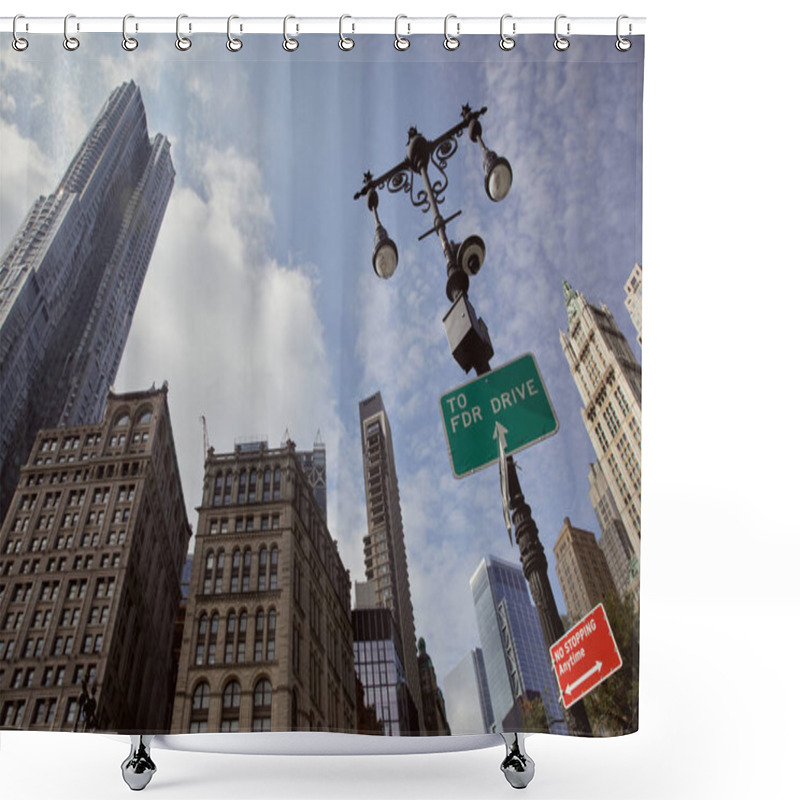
(260, 306)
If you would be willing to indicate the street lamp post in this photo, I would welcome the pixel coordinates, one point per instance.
(467, 334)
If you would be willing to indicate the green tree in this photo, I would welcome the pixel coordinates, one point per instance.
(613, 707)
(533, 713)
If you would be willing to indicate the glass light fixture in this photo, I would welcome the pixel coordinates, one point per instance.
(384, 254)
(498, 175)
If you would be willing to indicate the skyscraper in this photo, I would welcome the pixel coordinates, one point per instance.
(71, 276)
(609, 380)
(91, 554)
(384, 544)
(432, 697)
(514, 651)
(582, 570)
(614, 541)
(268, 639)
(466, 691)
(633, 298)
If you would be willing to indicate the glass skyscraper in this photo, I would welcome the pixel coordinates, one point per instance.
(71, 277)
(515, 655)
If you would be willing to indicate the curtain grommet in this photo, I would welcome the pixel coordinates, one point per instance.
(71, 43)
(290, 44)
(400, 42)
(345, 42)
(183, 43)
(622, 44)
(233, 44)
(129, 43)
(18, 42)
(451, 42)
(561, 43)
(507, 42)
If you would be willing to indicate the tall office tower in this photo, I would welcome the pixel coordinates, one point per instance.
(582, 570)
(268, 642)
(91, 554)
(312, 462)
(433, 706)
(614, 541)
(609, 380)
(384, 544)
(516, 657)
(71, 277)
(379, 666)
(466, 691)
(633, 299)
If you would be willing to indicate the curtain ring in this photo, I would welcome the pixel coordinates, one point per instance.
(561, 43)
(506, 42)
(18, 43)
(400, 42)
(233, 44)
(622, 44)
(70, 42)
(183, 43)
(345, 42)
(128, 42)
(289, 44)
(450, 42)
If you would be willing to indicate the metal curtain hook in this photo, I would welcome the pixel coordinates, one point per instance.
(181, 42)
(622, 44)
(289, 44)
(128, 42)
(70, 42)
(560, 43)
(400, 42)
(18, 43)
(450, 42)
(345, 43)
(233, 44)
(506, 42)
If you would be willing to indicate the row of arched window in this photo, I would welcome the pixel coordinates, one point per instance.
(251, 487)
(261, 646)
(231, 706)
(241, 571)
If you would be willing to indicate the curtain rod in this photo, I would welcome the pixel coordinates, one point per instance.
(405, 26)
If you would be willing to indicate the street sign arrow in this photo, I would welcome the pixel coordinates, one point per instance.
(571, 687)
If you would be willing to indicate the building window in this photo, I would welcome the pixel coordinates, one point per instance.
(251, 488)
(200, 648)
(272, 619)
(208, 576)
(235, 570)
(276, 484)
(228, 485)
(241, 639)
(262, 706)
(273, 567)
(246, 565)
(218, 572)
(217, 501)
(212, 640)
(231, 700)
(230, 633)
(258, 647)
(242, 487)
(267, 494)
(199, 717)
(262, 569)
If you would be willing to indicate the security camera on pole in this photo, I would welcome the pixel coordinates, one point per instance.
(503, 390)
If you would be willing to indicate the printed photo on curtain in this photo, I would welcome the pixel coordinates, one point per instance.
(320, 386)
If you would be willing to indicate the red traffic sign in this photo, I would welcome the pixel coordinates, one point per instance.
(585, 656)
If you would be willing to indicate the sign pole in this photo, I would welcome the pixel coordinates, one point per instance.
(534, 566)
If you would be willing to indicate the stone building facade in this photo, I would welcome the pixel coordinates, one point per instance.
(268, 641)
(90, 562)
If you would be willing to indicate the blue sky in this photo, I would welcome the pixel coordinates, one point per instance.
(261, 308)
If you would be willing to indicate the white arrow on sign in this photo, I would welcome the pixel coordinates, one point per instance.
(500, 434)
(571, 687)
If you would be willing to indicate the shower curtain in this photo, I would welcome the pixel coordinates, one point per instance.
(321, 385)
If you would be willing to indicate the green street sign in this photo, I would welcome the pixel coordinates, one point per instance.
(508, 407)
